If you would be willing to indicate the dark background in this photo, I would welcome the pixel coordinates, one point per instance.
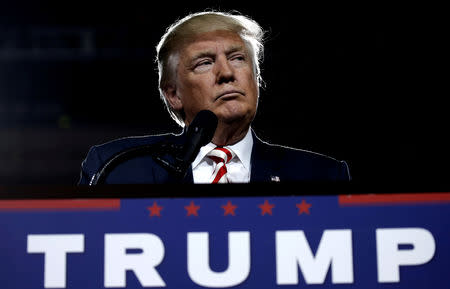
(360, 82)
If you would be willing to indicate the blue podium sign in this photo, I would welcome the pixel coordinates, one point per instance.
(330, 241)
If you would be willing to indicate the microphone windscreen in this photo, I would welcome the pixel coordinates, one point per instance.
(204, 122)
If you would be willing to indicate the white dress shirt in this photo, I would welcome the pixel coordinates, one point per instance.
(238, 169)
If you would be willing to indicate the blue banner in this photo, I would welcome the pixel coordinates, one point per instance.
(355, 241)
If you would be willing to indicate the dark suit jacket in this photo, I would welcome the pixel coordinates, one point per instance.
(268, 163)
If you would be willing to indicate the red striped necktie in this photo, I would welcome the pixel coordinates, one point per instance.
(221, 156)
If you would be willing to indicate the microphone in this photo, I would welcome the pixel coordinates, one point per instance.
(199, 133)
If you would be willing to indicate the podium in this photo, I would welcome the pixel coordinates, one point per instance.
(221, 236)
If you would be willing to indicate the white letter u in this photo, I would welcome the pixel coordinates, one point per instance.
(238, 260)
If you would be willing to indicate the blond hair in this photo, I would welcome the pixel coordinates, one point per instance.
(184, 30)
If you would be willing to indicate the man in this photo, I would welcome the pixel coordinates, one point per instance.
(210, 61)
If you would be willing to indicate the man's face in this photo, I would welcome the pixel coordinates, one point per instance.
(215, 72)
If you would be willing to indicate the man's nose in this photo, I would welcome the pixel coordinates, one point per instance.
(225, 71)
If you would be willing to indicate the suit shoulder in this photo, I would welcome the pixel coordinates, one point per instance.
(282, 151)
(290, 152)
(317, 164)
(100, 154)
(114, 146)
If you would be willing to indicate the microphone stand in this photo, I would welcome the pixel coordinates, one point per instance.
(157, 151)
(200, 132)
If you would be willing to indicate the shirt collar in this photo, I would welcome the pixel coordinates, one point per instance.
(242, 149)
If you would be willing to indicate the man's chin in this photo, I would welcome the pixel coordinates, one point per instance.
(231, 118)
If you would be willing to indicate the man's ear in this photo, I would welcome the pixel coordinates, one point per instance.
(171, 94)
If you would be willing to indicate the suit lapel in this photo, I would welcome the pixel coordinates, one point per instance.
(261, 162)
(189, 178)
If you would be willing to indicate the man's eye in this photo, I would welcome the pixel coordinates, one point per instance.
(204, 62)
(203, 66)
(238, 58)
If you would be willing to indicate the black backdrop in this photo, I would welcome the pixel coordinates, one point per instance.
(359, 82)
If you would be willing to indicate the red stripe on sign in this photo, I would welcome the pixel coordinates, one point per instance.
(385, 199)
(78, 204)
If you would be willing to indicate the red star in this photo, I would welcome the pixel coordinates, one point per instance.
(266, 208)
(192, 209)
(303, 207)
(155, 210)
(229, 209)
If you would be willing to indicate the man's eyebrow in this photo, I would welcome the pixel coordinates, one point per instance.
(212, 54)
(234, 49)
(202, 54)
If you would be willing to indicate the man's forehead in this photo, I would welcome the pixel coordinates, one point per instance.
(211, 41)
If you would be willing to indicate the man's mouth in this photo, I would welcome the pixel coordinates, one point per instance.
(229, 94)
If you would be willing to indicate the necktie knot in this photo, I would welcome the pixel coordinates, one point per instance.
(221, 156)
